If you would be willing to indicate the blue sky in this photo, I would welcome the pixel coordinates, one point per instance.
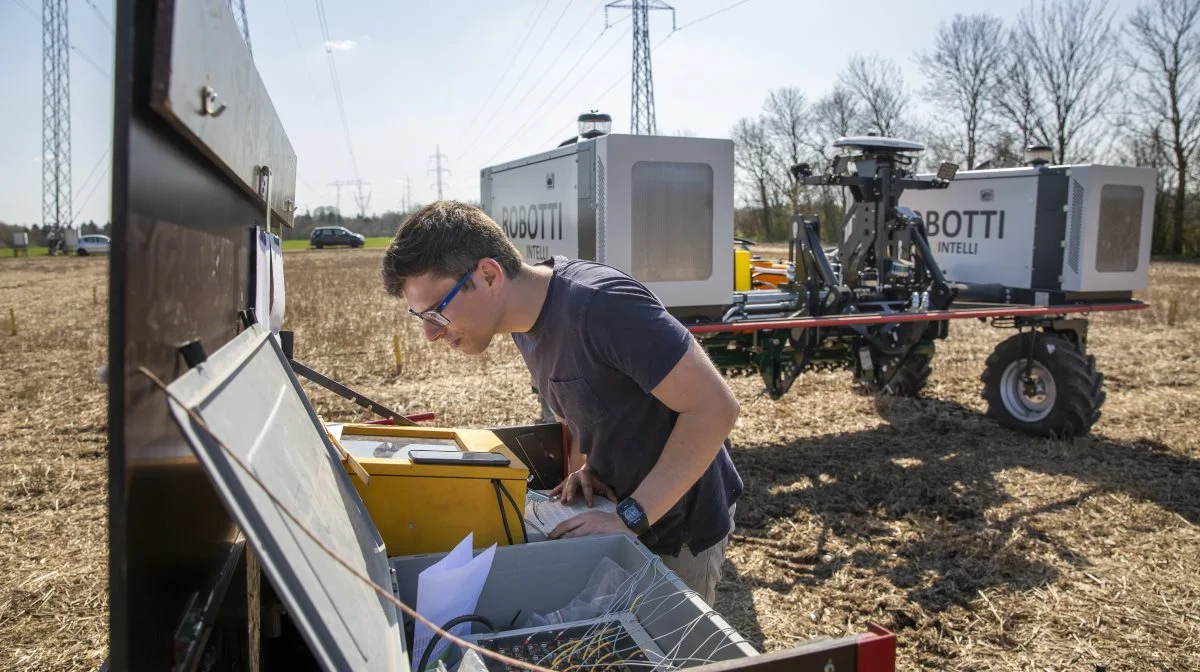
(487, 81)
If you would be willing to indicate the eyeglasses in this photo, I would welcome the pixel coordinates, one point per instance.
(434, 315)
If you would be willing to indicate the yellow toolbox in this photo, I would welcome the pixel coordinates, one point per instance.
(428, 507)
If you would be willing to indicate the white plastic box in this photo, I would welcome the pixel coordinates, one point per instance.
(1081, 230)
(545, 576)
(656, 207)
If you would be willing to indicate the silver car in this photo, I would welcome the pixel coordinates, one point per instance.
(93, 244)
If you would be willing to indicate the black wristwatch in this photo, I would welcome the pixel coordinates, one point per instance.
(633, 516)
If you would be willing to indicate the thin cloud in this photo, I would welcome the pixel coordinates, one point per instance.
(340, 45)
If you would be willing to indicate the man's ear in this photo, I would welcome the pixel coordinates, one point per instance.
(493, 273)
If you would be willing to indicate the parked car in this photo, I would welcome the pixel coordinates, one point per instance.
(93, 244)
(328, 236)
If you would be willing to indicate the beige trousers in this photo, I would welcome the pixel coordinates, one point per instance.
(701, 572)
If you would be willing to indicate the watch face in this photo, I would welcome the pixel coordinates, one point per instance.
(630, 512)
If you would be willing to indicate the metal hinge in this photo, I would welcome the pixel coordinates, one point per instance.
(264, 181)
(395, 583)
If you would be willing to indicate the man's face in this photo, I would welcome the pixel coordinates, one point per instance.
(470, 312)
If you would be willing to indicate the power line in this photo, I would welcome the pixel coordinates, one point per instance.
(337, 87)
(89, 196)
(312, 84)
(521, 45)
(87, 59)
(513, 86)
(571, 123)
(28, 9)
(712, 14)
(91, 174)
(103, 19)
(566, 126)
(338, 184)
(310, 187)
(619, 79)
(439, 170)
(554, 61)
(582, 78)
(406, 199)
(363, 201)
(641, 107)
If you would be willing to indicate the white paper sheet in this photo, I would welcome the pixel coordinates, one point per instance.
(335, 428)
(544, 514)
(448, 589)
(262, 276)
(277, 294)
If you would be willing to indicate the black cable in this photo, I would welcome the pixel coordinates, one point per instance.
(520, 513)
(503, 515)
(450, 624)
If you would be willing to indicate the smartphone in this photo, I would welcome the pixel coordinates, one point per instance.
(458, 457)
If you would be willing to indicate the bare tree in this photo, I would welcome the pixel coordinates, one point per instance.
(1071, 51)
(838, 114)
(878, 84)
(1018, 99)
(1005, 150)
(1164, 50)
(963, 72)
(785, 115)
(1147, 147)
(943, 142)
(753, 157)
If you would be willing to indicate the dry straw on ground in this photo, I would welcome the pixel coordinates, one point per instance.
(981, 548)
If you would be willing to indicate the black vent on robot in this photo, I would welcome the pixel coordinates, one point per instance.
(1075, 235)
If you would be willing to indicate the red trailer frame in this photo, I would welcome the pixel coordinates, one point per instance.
(983, 311)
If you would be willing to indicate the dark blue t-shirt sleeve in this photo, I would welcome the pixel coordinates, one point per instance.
(629, 330)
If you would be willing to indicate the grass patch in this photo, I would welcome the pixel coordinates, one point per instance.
(7, 253)
(378, 242)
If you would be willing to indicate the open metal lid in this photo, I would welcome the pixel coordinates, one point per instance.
(252, 403)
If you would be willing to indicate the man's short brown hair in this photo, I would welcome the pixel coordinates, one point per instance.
(446, 239)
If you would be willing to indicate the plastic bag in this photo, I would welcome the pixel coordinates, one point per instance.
(472, 662)
(598, 597)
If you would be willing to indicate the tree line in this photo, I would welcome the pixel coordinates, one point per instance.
(1067, 74)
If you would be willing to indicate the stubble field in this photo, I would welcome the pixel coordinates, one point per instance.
(981, 548)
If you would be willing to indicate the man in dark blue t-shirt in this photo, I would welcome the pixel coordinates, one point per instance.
(647, 411)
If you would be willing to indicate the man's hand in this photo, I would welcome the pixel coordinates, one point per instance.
(583, 480)
(589, 523)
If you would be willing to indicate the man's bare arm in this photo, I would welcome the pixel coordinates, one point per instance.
(576, 460)
(708, 410)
